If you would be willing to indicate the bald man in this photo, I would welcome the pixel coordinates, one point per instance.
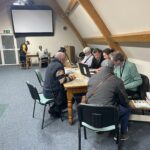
(55, 77)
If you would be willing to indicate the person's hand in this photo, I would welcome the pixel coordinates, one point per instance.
(72, 76)
(84, 99)
(98, 70)
(28, 53)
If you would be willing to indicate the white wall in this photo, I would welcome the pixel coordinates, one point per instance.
(63, 4)
(83, 22)
(5, 20)
(123, 16)
(139, 53)
(52, 43)
(142, 66)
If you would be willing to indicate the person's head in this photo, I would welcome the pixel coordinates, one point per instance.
(117, 57)
(61, 57)
(97, 53)
(27, 42)
(81, 55)
(87, 51)
(107, 63)
(62, 49)
(40, 47)
(106, 53)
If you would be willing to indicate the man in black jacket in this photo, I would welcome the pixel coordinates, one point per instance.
(55, 77)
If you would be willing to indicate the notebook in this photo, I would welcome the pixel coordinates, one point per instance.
(141, 104)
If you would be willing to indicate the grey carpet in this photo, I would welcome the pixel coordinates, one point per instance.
(19, 131)
(2, 108)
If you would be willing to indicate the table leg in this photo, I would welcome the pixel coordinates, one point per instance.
(70, 116)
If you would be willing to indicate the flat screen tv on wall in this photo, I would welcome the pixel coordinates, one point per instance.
(32, 20)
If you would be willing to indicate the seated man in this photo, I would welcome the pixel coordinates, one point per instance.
(43, 55)
(53, 84)
(98, 58)
(106, 89)
(126, 71)
(88, 56)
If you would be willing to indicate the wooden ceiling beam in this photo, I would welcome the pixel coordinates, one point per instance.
(71, 6)
(58, 9)
(133, 37)
(95, 40)
(138, 37)
(87, 5)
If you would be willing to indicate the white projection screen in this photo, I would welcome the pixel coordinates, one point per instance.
(32, 21)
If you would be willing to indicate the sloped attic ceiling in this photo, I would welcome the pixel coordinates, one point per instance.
(128, 22)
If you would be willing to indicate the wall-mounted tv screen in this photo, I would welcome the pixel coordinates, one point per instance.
(32, 20)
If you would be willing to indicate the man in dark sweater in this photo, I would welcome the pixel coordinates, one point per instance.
(104, 89)
(53, 84)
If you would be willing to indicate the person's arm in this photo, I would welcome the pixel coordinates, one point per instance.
(93, 63)
(84, 59)
(62, 77)
(122, 95)
(137, 80)
(84, 99)
(24, 48)
(89, 61)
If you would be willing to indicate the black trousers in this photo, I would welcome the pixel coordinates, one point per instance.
(60, 100)
(133, 94)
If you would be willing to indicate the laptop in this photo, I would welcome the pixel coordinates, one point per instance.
(84, 69)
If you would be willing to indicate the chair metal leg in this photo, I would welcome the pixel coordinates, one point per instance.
(85, 133)
(43, 116)
(143, 112)
(118, 136)
(34, 108)
(62, 114)
(61, 117)
(79, 138)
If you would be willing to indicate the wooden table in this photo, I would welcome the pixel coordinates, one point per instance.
(28, 59)
(138, 117)
(79, 85)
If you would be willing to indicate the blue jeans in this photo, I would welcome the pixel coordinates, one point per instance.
(124, 113)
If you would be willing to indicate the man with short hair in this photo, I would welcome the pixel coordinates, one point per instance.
(88, 56)
(105, 89)
(55, 77)
(23, 52)
(127, 72)
(42, 53)
(43, 56)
